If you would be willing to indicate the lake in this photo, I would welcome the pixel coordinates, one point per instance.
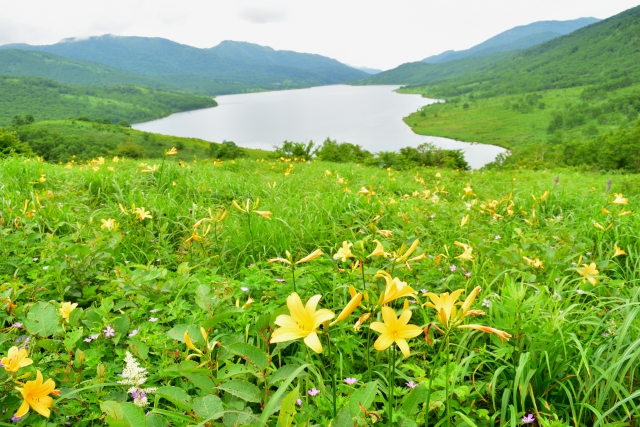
(369, 116)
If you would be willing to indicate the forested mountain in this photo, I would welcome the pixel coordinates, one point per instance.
(479, 58)
(517, 38)
(228, 67)
(606, 53)
(45, 99)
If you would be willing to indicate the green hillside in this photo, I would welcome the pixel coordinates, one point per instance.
(83, 139)
(46, 99)
(226, 68)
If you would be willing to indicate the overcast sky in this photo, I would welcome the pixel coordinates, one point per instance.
(374, 33)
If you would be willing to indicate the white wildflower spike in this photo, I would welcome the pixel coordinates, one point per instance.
(135, 375)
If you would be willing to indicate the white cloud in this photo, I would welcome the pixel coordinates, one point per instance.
(258, 15)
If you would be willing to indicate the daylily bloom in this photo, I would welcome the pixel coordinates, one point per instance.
(302, 322)
(385, 233)
(501, 334)
(535, 263)
(468, 190)
(618, 251)
(313, 255)
(403, 255)
(589, 272)
(16, 359)
(171, 152)
(110, 224)
(378, 251)
(344, 252)
(264, 214)
(624, 213)
(356, 298)
(444, 304)
(66, 308)
(466, 255)
(395, 329)
(142, 214)
(464, 220)
(619, 200)
(36, 395)
(395, 288)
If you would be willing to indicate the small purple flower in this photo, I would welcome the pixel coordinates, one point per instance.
(46, 267)
(574, 264)
(552, 247)
(486, 303)
(588, 253)
(498, 237)
(244, 289)
(153, 319)
(557, 279)
(35, 259)
(15, 419)
(580, 291)
(314, 392)
(424, 291)
(17, 325)
(411, 384)
(109, 332)
(134, 333)
(88, 339)
(467, 274)
(361, 231)
(126, 261)
(350, 381)
(453, 268)
(155, 310)
(558, 296)
(299, 402)
(279, 280)
(528, 419)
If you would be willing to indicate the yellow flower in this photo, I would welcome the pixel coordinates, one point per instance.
(116, 159)
(535, 263)
(313, 255)
(619, 200)
(395, 329)
(501, 334)
(444, 304)
(171, 152)
(395, 288)
(378, 251)
(468, 190)
(237, 206)
(189, 343)
(66, 308)
(464, 220)
(302, 322)
(110, 224)
(344, 252)
(618, 251)
(624, 213)
(142, 214)
(589, 272)
(466, 255)
(264, 214)
(36, 395)
(606, 211)
(385, 233)
(402, 256)
(356, 298)
(16, 359)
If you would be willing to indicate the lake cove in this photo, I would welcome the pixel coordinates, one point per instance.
(369, 116)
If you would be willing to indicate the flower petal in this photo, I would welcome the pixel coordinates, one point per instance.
(403, 346)
(313, 342)
(42, 405)
(287, 334)
(22, 410)
(383, 342)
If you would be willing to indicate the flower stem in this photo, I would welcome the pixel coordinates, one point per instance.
(293, 275)
(392, 371)
(446, 385)
(333, 376)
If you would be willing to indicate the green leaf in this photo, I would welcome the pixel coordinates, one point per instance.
(208, 408)
(242, 389)
(72, 337)
(415, 397)
(112, 409)
(364, 396)
(175, 395)
(154, 420)
(203, 382)
(344, 418)
(251, 354)
(42, 319)
(270, 407)
(288, 408)
(177, 333)
(219, 317)
(282, 373)
(133, 415)
(121, 324)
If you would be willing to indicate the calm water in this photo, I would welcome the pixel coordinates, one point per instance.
(370, 116)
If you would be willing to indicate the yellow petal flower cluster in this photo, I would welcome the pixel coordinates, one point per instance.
(303, 322)
(66, 308)
(344, 252)
(589, 272)
(395, 288)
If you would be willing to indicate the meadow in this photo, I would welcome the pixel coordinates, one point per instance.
(281, 292)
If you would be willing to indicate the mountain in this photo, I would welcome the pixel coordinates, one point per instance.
(367, 70)
(517, 38)
(451, 64)
(606, 53)
(229, 67)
